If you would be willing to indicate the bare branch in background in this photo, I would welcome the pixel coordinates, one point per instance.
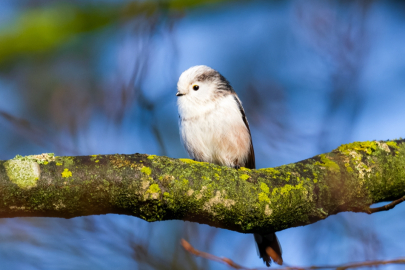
(68, 96)
(25, 128)
(337, 31)
(32, 132)
(267, 110)
(186, 245)
(120, 97)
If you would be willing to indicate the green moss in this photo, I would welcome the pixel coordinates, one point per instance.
(367, 146)
(315, 180)
(271, 171)
(40, 159)
(327, 163)
(244, 169)
(66, 173)
(154, 188)
(315, 176)
(263, 197)
(24, 173)
(121, 161)
(65, 161)
(287, 188)
(146, 170)
(151, 156)
(244, 176)
(322, 212)
(392, 144)
(348, 168)
(190, 161)
(264, 188)
(59, 164)
(288, 176)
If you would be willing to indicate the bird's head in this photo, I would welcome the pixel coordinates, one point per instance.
(202, 84)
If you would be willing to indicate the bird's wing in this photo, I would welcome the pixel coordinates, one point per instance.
(250, 163)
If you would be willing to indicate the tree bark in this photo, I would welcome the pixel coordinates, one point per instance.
(155, 188)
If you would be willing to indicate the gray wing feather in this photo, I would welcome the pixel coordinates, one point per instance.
(250, 163)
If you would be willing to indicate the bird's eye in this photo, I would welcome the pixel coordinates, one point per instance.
(195, 87)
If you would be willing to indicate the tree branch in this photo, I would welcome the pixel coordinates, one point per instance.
(186, 245)
(154, 188)
(387, 206)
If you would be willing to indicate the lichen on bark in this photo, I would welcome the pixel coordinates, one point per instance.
(154, 188)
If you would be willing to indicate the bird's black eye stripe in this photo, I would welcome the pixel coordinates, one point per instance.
(195, 87)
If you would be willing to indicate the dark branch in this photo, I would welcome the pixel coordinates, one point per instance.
(232, 264)
(387, 206)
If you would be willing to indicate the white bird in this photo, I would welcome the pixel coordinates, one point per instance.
(214, 128)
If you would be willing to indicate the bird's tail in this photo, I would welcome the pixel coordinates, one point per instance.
(269, 247)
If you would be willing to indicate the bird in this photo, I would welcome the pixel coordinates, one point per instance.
(214, 128)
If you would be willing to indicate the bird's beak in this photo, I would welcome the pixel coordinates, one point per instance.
(179, 94)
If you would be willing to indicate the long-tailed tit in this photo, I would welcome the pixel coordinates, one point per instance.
(214, 128)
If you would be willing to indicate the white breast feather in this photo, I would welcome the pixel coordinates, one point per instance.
(214, 132)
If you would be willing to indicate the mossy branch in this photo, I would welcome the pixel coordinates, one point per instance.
(154, 188)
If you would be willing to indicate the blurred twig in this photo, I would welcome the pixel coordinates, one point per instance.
(187, 246)
(32, 132)
(338, 32)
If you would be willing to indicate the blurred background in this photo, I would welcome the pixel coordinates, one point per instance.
(84, 77)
